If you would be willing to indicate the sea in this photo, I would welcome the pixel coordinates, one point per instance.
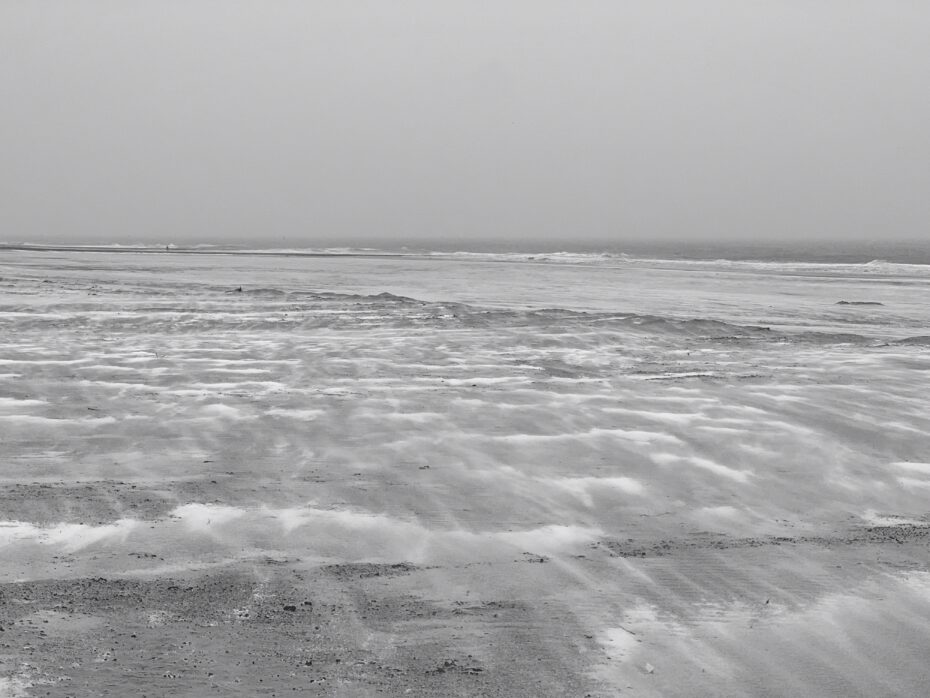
(916, 251)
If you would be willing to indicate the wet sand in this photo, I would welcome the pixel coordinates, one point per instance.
(450, 477)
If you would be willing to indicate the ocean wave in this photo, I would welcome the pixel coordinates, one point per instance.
(621, 259)
(313, 251)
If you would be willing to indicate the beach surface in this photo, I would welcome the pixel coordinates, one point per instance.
(462, 475)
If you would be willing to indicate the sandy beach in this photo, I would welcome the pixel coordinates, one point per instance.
(462, 476)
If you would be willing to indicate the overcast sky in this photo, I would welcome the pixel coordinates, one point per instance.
(512, 120)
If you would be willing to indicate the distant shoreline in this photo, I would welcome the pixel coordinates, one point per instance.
(913, 255)
(188, 250)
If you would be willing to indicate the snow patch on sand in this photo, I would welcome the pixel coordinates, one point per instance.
(585, 487)
(13, 402)
(223, 411)
(295, 413)
(703, 463)
(202, 517)
(923, 468)
(911, 483)
(873, 518)
(72, 537)
(37, 420)
(636, 436)
(364, 535)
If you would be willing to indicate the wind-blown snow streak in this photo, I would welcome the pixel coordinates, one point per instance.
(679, 441)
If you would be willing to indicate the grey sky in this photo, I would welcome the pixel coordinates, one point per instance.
(296, 122)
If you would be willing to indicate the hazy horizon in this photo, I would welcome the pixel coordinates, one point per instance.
(513, 123)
